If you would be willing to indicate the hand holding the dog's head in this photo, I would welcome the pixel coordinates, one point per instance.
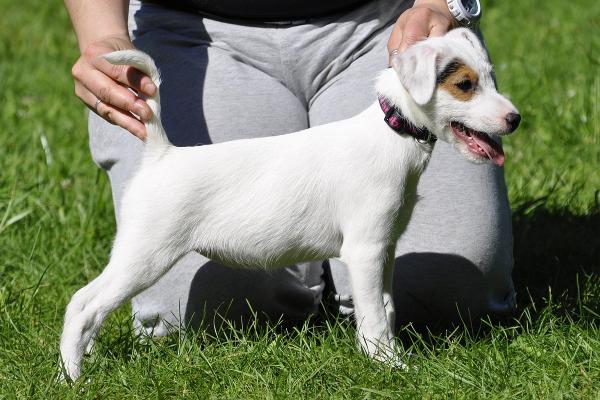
(105, 88)
(426, 18)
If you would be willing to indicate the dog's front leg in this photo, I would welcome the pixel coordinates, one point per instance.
(366, 264)
(388, 289)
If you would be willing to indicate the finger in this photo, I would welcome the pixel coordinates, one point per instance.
(414, 31)
(113, 115)
(121, 118)
(438, 30)
(396, 36)
(126, 75)
(393, 47)
(110, 92)
(439, 26)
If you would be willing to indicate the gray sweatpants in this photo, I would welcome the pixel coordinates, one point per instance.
(225, 81)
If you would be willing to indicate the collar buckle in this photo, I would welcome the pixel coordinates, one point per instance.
(430, 138)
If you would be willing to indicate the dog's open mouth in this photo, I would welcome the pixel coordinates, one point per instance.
(479, 143)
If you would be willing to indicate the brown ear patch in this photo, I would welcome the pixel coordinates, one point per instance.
(459, 80)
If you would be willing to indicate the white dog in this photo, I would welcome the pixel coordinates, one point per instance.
(345, 189)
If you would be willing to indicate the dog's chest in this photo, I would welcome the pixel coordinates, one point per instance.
(402, 185)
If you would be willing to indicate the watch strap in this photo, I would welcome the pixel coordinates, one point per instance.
(463, 16)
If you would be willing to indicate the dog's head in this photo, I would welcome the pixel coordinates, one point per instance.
(450, 80)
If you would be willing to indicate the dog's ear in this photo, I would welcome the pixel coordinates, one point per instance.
(416, 68)
(474, 39)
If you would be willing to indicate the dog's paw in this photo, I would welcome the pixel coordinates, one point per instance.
(386, 353)
(69, 370)
(391, 358)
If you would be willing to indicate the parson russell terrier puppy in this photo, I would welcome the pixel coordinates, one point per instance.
(345, 189)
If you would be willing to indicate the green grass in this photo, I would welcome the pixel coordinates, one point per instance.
(56, 225)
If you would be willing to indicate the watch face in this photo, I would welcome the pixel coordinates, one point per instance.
(471, 7)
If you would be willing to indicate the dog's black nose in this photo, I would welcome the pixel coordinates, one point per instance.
(513, 120)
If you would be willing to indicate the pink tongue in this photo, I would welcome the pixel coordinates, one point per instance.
(494, 152)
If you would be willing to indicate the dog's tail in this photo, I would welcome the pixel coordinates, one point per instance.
(157, 139)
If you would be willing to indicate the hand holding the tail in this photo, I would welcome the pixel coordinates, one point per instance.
(108, 90)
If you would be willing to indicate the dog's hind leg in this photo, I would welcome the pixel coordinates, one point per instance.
(78, 302)
(136, 263)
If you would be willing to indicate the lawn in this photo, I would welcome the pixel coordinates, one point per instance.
(56, 227)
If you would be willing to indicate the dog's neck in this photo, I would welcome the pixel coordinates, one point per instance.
(401, 113)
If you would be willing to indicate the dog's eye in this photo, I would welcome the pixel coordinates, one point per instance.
(465, 85)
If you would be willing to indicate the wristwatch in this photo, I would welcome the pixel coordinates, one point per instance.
(466, 12)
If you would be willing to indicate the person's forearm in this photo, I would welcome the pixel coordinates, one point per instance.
(96, 19)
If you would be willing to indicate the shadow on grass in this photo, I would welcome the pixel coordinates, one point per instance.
(557, 271)
(557, 258)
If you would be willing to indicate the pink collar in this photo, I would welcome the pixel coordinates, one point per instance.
(399, 123)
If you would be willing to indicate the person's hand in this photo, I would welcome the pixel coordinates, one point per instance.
(105, 88)
(424, 19)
